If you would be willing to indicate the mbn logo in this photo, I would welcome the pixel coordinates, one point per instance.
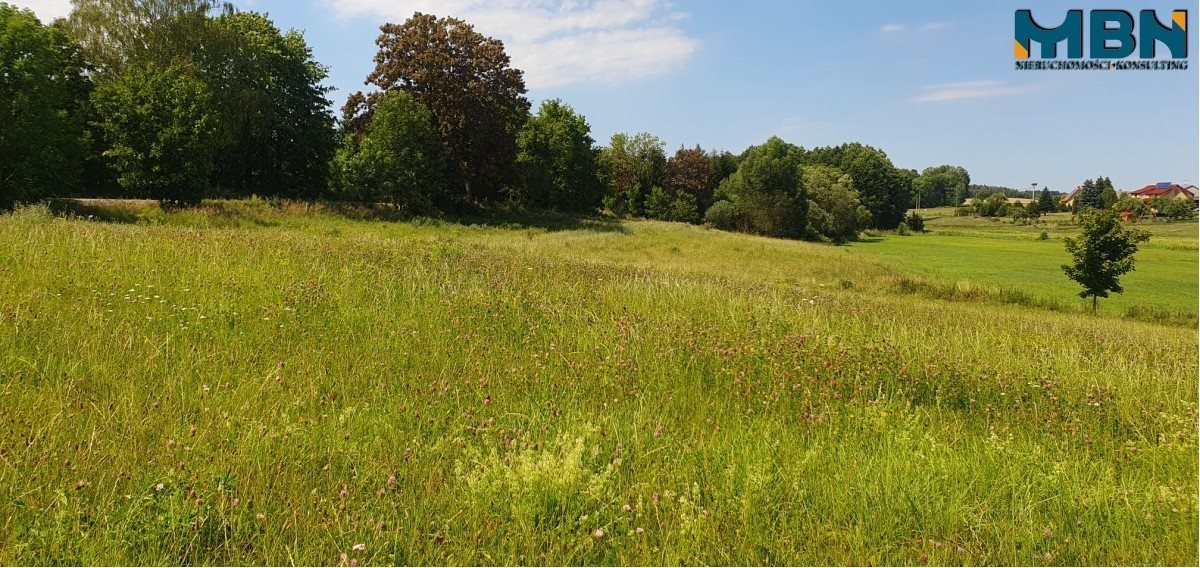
(1111, 33)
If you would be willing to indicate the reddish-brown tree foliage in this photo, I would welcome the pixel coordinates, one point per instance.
(464, 78)
(688, 172)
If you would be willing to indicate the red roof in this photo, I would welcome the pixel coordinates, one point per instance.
(1157, 189)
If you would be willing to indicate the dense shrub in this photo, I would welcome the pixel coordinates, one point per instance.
(1174, 209)
(1133, 205)
(915, 222)
(834, 210)
(994, 205)
(681, 207)
(723, 215)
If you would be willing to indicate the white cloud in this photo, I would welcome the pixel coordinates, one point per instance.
(946, 92)
(892, 28)
(46, 10)
(560, 42)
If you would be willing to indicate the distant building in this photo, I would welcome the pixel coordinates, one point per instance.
(1166, 189)
(1011, 201)
(1068, 200)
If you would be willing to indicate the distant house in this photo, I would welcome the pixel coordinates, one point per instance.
(1168, 190)
(1011, 201)
(1068, 200)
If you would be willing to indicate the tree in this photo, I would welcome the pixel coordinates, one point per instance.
(630, 167)
(43, 91)
(915, 222)
(1174, 209)
(688, 173)
(118, 34)
(1132, 205)
(1033, 210)
(160, 132)
(275, 132)
(834, 210)
(395, 159)
(721, 166)
(1108, 193)
(661, 205)
(942, 185)
(1088, 197)
(275, 126)
(994, 205)
(477, 100)
(558, 160)
(1045, 201)
(1101, 254)
(767, 190)
(883, 189)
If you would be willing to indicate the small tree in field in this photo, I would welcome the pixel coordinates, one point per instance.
(1101, 254)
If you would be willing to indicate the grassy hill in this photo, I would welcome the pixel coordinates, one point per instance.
(249, 384)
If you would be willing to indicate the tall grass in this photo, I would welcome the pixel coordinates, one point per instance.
(187, 393)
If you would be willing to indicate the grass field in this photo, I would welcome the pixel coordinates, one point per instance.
(997, 252)
(246, 384)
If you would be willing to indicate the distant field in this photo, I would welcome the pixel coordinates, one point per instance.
(998, 252)
(251, 384)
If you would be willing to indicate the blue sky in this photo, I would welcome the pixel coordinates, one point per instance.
(928, 82)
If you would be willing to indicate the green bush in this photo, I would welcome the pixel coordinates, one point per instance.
(915, 222)
(658, 204)
(995, 205)
(1174, 209)
(723, 215)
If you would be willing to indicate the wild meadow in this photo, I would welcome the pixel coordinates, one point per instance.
(249, 383)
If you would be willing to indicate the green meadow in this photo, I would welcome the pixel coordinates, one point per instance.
(279, 383)
(997, 252)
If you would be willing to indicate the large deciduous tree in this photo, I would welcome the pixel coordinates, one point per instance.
(689, 172)
(1101, 254)
(941, 185)
(883, 189)
(767, 191)
(276, 131)
(43, 90)
(557, 157)
(464, 78)
(118, 34)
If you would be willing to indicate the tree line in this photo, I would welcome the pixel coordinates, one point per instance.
(1094, 194)
(183, 100)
